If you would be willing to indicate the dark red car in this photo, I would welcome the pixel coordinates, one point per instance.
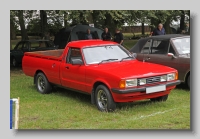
(102, 69)
(171, 50)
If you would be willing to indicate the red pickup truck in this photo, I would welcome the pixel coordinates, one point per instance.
(103, 69)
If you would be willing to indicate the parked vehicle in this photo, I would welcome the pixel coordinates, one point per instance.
(17, 53)
(102, 69)
(171, 50)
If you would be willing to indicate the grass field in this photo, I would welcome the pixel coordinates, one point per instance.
(64, 109)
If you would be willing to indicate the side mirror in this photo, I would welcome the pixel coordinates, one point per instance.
(76, 61)
(171, 55)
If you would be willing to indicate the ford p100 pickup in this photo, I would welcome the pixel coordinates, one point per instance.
(103, 69)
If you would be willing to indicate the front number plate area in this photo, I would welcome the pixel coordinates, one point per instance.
(155, 89)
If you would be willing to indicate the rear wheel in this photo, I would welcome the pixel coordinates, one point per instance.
(104, 100)
(158, 99)
(42, 84)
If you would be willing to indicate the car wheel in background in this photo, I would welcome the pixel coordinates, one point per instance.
(158, 99)
(14, 62)
(42, 84)
(104, 100)
(188, 81)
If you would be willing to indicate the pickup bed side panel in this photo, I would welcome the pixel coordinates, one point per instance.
(50, 67)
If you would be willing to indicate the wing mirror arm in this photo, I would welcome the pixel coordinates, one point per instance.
(171, 55)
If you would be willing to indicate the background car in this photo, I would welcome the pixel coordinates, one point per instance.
(21, 47)
(171, 50)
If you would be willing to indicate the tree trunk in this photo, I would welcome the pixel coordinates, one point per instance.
(22, 25)
(167, 27)
(65, 20)
(182, 22)
(12, 30)
(108, 23)
(189, 22)
(43, 22)
(142, 28)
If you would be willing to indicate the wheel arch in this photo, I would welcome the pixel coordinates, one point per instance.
(95, 84)
(38, 71)
(186, 76)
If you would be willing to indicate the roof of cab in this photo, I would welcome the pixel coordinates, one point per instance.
(90, 43)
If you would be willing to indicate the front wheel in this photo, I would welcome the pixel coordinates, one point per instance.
(42, 84)
(104, 100)
(158, 99)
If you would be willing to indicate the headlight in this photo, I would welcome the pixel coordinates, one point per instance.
(163, 78)
(171, 76)
(142, 81)
(128, 83)
(131, 82)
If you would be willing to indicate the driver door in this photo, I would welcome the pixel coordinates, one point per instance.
(73, 76)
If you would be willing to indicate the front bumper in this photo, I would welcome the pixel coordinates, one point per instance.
(142, 89)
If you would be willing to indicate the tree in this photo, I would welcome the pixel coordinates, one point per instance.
(12, 25)
(24, 35)
(43, 22)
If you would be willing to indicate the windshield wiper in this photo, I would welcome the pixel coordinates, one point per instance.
(107, 60)
(126, 58)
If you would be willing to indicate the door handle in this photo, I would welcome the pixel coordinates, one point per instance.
(53, 65)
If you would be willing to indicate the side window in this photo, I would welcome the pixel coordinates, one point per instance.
(73, 53)
(159, 47)
(19, 46)
(145, 49)
(25, 47)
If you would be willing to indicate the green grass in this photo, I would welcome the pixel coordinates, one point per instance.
(128, 44)
(64, 109)
(129, 35)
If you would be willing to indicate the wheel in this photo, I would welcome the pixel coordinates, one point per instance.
(158, 99)
(42, 84)
(104, 100)
(14, 62)
(188, 81)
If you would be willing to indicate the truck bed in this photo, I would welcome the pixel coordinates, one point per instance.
(50, 54)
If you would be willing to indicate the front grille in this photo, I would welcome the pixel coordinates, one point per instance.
(150, 80)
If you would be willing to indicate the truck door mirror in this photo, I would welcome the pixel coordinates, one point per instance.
(76, 61)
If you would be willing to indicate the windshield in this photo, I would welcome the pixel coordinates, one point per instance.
(99, 54)
(182, 45)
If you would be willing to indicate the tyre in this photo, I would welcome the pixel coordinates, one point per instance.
(159, 99)
(42, 84)
(188, 81)
(14, 62)
(104, 100)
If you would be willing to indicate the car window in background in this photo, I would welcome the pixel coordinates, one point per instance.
(182, 45)
(19, 46)
(159, 47)
(145, 49)
(97, 54)
(37, 44)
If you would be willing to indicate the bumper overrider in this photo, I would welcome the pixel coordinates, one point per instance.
(142, 89)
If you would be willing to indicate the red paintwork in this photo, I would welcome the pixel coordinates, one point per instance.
(84, 77)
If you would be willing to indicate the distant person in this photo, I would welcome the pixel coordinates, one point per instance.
(88, 35)
(159, 30)
(106, 36)
(118, 37)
